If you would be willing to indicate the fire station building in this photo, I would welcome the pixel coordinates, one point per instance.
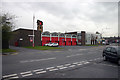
(24, 37)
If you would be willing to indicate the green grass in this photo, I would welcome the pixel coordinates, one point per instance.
(8, 50)
(43, 47)
(91, 45)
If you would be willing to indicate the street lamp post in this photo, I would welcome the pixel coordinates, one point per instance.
(33, 30)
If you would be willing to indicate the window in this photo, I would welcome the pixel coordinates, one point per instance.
(113, 50)
(108, 49)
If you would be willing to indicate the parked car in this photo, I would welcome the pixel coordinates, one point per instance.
(112, 53)
(105, 43)
(52, 44)
(47, 44)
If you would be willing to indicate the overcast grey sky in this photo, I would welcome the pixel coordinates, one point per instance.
(66, 16)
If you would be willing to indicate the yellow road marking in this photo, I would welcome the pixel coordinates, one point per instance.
(14, 54)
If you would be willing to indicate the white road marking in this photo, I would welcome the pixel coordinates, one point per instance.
(67, 64)
(28, 73)
(9, 75)
(50, 67)
(90, 60)
(76, 63)
(82, 62)
(35, 60)
(37, 70)
(13, 77)
(60, 66)
(41, 72)
(108, 65)
(53, 69)
(79, 64)
(72, 66)
(74, 55)
(63, 67)
(86, 62)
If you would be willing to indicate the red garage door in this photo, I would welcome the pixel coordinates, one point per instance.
(45, 40)
(68, 41)
(73, 41)
(54, 39)
(61, 41)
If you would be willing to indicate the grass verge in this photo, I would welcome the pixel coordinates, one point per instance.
(8, 50)
(91, 45)
(43, 47)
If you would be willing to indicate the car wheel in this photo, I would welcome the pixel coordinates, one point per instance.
(104, 58)
(119, 62)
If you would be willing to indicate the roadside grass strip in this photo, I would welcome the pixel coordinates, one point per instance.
(28, 73)
(14, 54)
(8, 50)
(43, 47)
(12, 76)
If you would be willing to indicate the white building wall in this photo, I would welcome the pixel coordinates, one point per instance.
(88, 38)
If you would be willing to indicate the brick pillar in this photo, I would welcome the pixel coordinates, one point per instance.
(82, 37)
(38, 38)
(50, 37)
(65, 39)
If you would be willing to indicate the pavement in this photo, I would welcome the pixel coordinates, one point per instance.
(70, 62)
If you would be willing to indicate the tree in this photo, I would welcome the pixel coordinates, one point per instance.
(7, 26)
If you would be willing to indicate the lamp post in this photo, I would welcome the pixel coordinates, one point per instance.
(33, 29)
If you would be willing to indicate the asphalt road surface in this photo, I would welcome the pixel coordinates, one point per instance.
(69, 62)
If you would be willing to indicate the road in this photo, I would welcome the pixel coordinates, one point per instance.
(69, 62)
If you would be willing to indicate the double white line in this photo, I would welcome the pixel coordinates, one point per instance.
(51, 68)
(39, 71)
(73, 55)
(28, 73)
(12, 76)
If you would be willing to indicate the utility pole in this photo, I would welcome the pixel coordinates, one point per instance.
(33, 30)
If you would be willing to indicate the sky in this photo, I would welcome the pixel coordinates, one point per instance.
(66, 16)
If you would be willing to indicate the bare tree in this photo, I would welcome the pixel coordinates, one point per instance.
(6, 23)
